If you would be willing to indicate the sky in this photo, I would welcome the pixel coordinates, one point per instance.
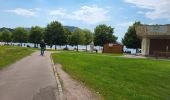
(119, 14)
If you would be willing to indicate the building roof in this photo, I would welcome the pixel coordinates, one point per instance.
(153, 31)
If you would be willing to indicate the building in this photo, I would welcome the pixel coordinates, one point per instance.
(113, 48)
(155, 38)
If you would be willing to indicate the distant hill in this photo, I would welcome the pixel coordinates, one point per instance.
(3, 28)
(28, 29)
(71, 28)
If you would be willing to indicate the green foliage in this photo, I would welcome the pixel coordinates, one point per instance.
(36, 35)
(88, 36)
(54, 34)
(103, 34)
(6, 36)
(77, 37)
(0, 37)
(20, 35)
(117, 78)
(130, 39)
(67, 34)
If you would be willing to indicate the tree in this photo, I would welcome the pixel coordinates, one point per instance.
(36, 35)
(77, 37)
(0, 37)
(6, 36)
(54, 34)
(103, 34)
(88, 37)
(20, 35)
(67, 34)
(130, 39)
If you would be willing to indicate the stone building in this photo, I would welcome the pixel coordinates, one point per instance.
(155, 38)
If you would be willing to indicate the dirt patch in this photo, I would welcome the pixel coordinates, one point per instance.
(74, 90)
(134, 56)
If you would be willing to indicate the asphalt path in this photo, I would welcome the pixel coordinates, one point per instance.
(30, 78)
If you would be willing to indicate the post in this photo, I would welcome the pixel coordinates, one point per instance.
(145, 46)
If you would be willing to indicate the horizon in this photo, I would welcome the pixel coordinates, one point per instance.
(119, 14)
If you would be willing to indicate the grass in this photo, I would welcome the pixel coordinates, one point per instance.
(10, 54)
(117, 78)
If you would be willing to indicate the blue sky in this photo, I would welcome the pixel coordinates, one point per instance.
(84, 13)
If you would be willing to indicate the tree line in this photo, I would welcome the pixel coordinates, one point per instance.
(55, 34)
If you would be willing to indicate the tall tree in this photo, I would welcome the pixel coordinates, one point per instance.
(67, 34)
(36, 35)
(0, 37)
(20, 35)
(130, 39)
(54, 34)
(77, 37)
(103, 34)
(6, 36)
(88, 37)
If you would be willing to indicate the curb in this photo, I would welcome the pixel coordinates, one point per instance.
(61, 95)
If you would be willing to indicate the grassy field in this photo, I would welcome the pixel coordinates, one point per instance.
(9, 54)
(118, 78)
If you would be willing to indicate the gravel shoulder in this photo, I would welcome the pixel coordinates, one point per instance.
(74, 90)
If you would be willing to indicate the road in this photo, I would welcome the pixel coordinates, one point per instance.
(31, 78)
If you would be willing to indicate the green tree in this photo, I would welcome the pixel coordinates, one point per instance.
(36, 35)
(6, 36)
(20, 35)
(88, 37)
(0, 37)
(54, 34)
(130, 39)
(77, 37)
(103, 34)
(67, 34)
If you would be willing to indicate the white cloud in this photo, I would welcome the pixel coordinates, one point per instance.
(61, 12)
(87, 14)
(125, 24)
(23, 12)
(157, 8)
(141, 12)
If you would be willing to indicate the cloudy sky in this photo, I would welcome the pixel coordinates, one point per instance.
(84, 13)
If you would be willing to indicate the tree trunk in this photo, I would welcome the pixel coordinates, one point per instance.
(103, 50)
(34, 45)
(77, 48)
(86, 48)
(51, 46)
(55, 47)
(136, 50)
(37, 45)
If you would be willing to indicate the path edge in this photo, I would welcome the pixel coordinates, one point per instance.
(60, 89)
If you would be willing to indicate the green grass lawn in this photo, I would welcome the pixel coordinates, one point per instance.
(10, 54)
(117, 78)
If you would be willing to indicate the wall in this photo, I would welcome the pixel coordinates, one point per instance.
(159, 45)
(116, 48)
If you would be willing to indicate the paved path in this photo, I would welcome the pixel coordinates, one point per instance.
(31, 78)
